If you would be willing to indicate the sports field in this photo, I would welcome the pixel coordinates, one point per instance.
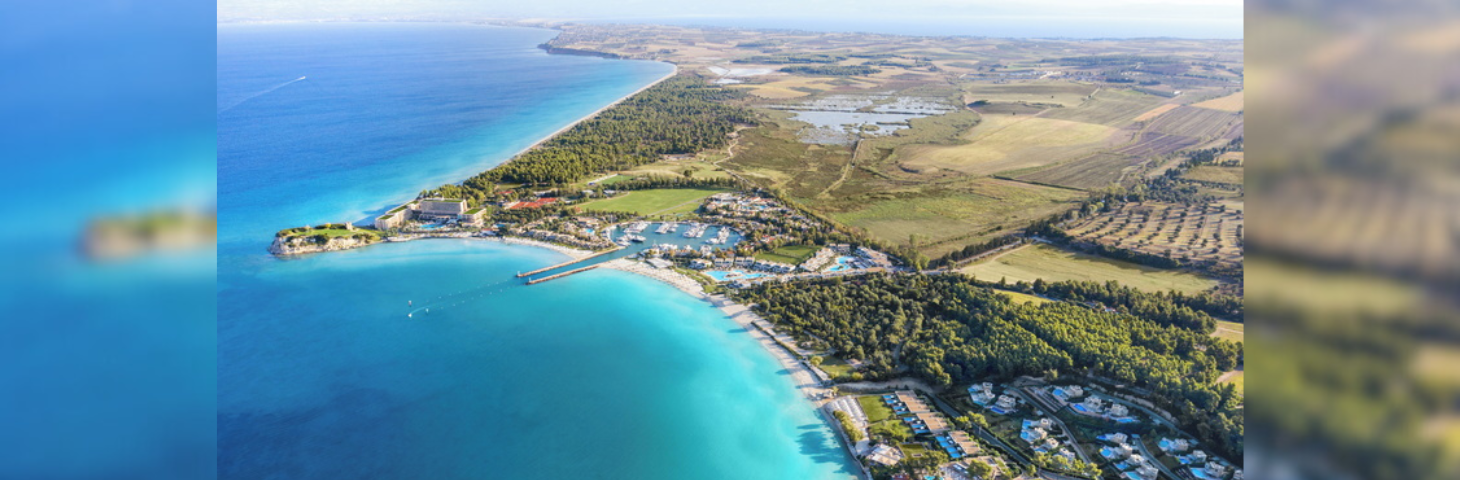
(792, 254)
(662, 201)
(1054, 264)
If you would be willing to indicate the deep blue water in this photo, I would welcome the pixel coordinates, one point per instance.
(322, 375)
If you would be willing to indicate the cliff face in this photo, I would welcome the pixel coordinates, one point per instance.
(305, 244)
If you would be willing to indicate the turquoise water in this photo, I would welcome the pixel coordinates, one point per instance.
(321, 373)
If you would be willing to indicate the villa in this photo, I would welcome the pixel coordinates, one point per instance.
(1005, 405)
(1173, 446)
(1066, 394)
(982, 394)
(1117, 452)
(1033, 435)
(1196, 457)
(1211, 471)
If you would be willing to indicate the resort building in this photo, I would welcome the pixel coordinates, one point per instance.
(699, 264)
(446, 210)
(433, 209)
(819, 260)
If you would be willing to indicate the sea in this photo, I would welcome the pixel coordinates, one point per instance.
(430, 359)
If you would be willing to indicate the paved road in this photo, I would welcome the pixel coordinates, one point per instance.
(1136, 439)
(1051, 409)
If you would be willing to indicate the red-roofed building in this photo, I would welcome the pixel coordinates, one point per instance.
(539, 203)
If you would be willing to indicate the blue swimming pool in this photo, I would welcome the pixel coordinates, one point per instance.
(430, 226)
(842, 263)
(723, 275)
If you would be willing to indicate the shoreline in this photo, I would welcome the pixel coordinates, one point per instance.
(805, 381)
(672, 72)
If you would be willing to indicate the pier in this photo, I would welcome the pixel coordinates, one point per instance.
(561, 275)
(564, 264)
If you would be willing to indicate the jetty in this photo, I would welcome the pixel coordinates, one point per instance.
(564, 274)
(564, 264)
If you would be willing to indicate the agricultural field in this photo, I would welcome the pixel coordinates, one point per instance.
(1156, 112)
(663, 201)
(1052, 264)
(1053, 93)
(1209, 173)
(1110, 107)
(1002, 143)
(942, 219)
(1229, 103)
(1095, 171)
(1203, 123)
(1201, 233)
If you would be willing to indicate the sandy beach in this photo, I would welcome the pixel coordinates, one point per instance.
(569, 251)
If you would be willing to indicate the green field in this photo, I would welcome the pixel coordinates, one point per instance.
(834, 366)
(945, 219)
(792, 254)
(1232, 331)
(697, 169)
(875, 410)
(660, 201)
(1054, 264)
(330, 232)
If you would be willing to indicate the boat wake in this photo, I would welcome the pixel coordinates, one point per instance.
(450, 300)
(262, 93)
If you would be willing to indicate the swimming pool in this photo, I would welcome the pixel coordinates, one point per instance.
(723, 275)
(430, 226)
(842, 263)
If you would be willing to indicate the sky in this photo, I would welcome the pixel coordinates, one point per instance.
(995, 18)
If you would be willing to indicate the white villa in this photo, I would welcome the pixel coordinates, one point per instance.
(981, 394)
(1174, 446)
(1119, 451)
(1069, 393)
(1117, 410)
(1094, 405)
(1006, 402)
(1033, 435)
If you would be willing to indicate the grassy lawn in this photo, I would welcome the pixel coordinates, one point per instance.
(662, 201)
(874, 408)
(913, 450)
(834, 366)
(1054, 264)
(792, 254)
(1018, 297)
(332, 232)
(1232, 331)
